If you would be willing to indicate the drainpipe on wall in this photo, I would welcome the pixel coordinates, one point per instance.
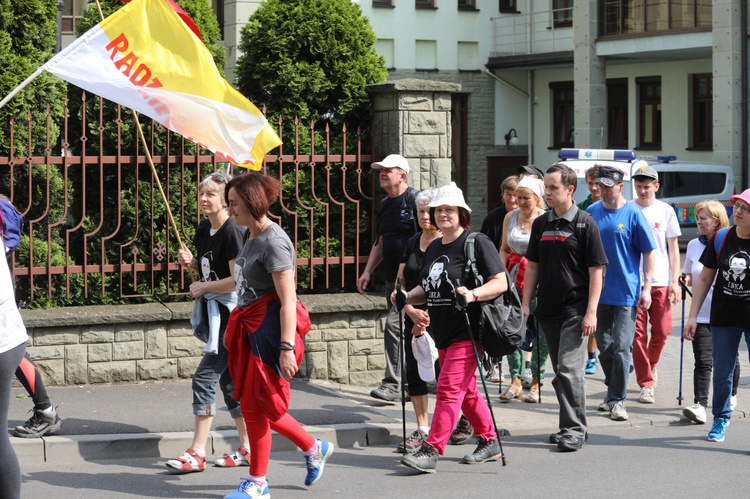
(530, 117)
(744, 111)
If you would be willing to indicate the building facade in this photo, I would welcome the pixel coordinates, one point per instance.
(662, 77)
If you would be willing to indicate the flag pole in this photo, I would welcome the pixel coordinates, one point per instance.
(23, 84)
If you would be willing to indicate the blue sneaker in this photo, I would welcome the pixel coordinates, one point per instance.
(316, 462)
(591, 366)
(718, 430)
(248, 488)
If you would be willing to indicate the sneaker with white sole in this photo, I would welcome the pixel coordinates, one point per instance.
(604, 406)
(317, 461)
(718, 430)
(617, 412)
(647, 395)
(695, 413)
(249, 488)
(40, 423)
(528, 378)
(240, 457)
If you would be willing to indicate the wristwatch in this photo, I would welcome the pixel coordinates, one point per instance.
(476, 294)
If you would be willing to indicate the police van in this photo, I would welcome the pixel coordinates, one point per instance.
(580, 160)
(682, 184)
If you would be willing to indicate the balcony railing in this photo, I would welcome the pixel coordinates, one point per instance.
(533, 33)
(626, 17)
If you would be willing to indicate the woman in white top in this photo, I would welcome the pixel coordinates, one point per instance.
(516, 233)
(710, 216)
(13, 340)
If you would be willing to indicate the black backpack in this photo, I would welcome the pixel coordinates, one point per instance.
(501, 322)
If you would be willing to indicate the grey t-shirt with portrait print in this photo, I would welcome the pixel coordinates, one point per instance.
(271, 251)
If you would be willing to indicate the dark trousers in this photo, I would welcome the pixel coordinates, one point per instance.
(704, 363)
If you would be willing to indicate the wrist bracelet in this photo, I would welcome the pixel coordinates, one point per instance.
(285, 345)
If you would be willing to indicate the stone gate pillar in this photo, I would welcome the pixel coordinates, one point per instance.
(412, 117)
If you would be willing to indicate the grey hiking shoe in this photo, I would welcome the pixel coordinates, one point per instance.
(413, 442)
(39, 424)
(424, 460)
(487, 450)
(462, 433)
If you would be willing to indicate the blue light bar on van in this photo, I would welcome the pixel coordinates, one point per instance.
(666, 159)
(604, 154)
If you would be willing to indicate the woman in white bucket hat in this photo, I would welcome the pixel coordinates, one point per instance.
(442, 276)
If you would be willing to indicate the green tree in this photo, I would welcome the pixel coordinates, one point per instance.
(311, 59)
(28, 31)
(27, 40)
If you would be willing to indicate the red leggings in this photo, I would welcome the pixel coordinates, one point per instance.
(259, 432)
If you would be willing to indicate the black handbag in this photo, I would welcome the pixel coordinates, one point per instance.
(501, 322)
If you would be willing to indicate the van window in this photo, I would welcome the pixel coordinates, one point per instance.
(679, 184)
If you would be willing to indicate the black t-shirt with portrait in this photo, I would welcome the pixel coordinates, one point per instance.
(397, 222)
(731, 299)
(442, 273)
(214, 252)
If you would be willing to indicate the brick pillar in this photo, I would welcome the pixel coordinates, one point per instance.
(413, 118)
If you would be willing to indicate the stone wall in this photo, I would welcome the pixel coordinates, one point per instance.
(133, 343)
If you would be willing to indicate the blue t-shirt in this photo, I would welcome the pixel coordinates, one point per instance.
(625, 235)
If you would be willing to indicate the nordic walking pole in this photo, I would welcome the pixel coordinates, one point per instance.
(462, 304)
(685, 291)
(401, 358)
(538, 363)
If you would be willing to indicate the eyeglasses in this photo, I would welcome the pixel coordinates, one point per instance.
(216, 177)
(741, 208)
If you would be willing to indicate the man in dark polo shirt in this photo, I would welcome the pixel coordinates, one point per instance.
(397, 222)
(566, 259)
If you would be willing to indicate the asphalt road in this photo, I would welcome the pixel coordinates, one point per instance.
(650, 461)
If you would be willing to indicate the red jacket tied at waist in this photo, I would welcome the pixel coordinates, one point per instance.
(253, 339)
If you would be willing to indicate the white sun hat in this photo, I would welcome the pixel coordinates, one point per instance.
(426, 354)
(450, 195)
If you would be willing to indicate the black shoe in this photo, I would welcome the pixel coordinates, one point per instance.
(39, 424)
(388, 393)
(462, 433)
(424, 460)
(556, 437)
(570, 443)
(487, 450)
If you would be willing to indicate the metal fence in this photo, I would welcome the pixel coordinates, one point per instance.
(96, 228)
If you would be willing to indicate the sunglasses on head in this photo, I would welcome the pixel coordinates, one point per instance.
(216, 177)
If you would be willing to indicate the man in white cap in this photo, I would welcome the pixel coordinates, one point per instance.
(665, 290)
(396, 223)
(627, 238)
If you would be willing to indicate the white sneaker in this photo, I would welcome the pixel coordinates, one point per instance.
(695, 413)
(528, 378)
(647, 395)
(618, 413)
(733, 402)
